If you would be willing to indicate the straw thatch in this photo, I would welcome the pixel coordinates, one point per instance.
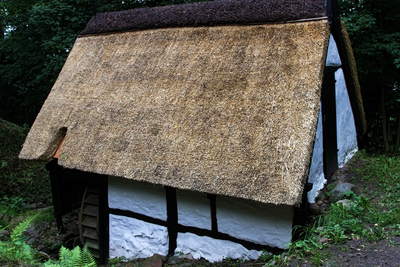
(228, 110)
(354, 76)
(219, 12)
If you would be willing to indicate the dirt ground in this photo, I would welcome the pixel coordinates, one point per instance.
(383, 253)
(359, 253)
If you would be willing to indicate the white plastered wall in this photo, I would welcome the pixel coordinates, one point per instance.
(130, 237)
(346, 131)
(316, 175)
(193, 209)
(243, 219)
(139, 197)
(333, 57)
(211, 249)
(260, 223)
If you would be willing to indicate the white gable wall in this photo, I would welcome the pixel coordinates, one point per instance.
(316, 175)
(332, 58)
(346, 130)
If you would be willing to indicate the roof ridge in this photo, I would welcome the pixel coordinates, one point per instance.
(220, 12)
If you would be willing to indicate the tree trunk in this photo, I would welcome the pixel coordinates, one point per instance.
(384, 120)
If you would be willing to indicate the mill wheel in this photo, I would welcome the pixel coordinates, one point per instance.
(89, 221)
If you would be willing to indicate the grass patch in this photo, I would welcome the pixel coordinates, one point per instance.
(373, 214)
(45, 215)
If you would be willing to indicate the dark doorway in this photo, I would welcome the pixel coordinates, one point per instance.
(329, 131)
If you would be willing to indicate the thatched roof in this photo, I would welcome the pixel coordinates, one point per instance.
(362, 121)
(228, 110)
(220, 12)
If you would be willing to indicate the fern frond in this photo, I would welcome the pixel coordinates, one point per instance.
(16, 250)
(75, 258)
(20, 228)
(51, 263)
(87, 258)
(64, 255)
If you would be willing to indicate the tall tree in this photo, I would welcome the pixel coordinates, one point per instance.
(374, 29)
(38, 38)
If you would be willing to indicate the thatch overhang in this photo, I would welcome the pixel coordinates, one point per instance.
(360, 119)
(228, 110)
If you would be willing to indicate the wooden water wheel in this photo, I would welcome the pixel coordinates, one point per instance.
(89, 221)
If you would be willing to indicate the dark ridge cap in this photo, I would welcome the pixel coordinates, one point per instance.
(220, 12)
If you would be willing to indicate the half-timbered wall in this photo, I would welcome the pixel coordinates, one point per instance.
(146, 219)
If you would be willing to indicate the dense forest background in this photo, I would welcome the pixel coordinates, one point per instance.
(37, 35)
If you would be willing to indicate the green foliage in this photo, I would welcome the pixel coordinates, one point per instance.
(373, 216)
(234, 263)
(278, 260)
(121, 260)
(374, 32)
(20, 228)
(383, 170)
(375, 23)
(70, 258)
(19, 179)
(384, 215)
(265, 256)
(15, 250)
(46, 215)
(343, 221)
(39, 37)
(11, 206)
(317, 258)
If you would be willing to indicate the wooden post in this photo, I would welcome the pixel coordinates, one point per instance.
(55, 191)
